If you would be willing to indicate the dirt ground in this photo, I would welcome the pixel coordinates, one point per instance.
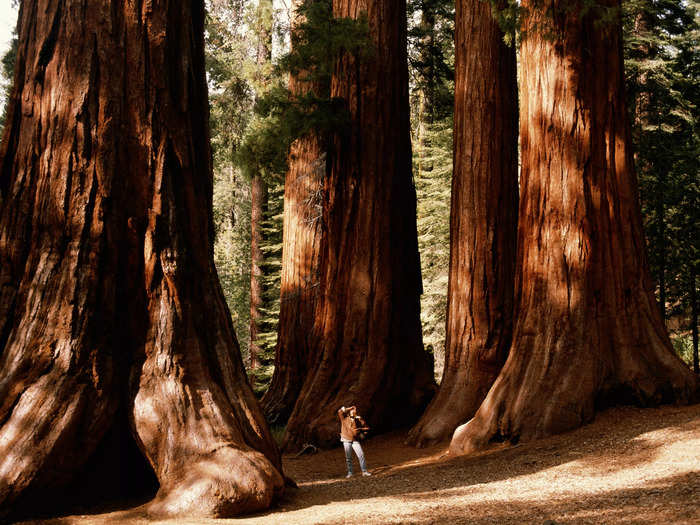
(629, 466)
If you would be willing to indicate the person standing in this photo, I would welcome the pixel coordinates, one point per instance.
(350, 427)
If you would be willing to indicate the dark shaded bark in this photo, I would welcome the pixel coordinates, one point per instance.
(660, 241)
(367, 323)
(694, 318)
(110, 303)
(484, 212)
(588, 331)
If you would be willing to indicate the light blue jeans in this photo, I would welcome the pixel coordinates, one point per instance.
(349, 446)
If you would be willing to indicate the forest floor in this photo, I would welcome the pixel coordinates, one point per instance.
(629, 466)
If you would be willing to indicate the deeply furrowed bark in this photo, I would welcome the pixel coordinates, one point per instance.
(367, 324)
(482, 224)
(109, 293)
(588, 331)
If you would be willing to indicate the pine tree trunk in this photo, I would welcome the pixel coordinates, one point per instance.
(661, 240)
(694, 317)
(110, 301)
(484, 212)
(299, 281)
(367, 325)
(258, 205)
(588, 331)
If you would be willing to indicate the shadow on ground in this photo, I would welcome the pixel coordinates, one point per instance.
(627, 466)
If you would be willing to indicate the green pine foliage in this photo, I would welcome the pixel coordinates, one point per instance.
(7, 69)
(231, 99)
(317, 42)
(431, 73)
(433, 211)
(271, 268)
(278, 118)
(232, 246)
(662, 67)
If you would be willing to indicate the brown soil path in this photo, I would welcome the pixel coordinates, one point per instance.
(630, 466)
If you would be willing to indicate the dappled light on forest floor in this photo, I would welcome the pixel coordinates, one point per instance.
(630, 466)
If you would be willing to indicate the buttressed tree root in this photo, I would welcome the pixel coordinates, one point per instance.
(109, 299)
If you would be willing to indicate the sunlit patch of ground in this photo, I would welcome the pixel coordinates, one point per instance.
(629, 466)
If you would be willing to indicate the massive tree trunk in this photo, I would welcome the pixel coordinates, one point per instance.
(483, 219)
(367, 325)
(588, 331)
(111, 313)
(301, 234)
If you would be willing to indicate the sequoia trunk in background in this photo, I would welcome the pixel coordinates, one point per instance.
(110, 302)
(299, 281)
(258, 205)
(367, 329)
(588, 331)
(694, 318)
(483, 221)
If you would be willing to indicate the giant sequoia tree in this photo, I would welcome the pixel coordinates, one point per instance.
(482, 221)
(299, 281)
(367, 325)
(588, 331)
(111, 314)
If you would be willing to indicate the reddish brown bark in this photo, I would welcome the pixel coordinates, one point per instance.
(299, 280)
(258, 205)
(110, 300)
(367, 327)
(588, 331)
(483, 222)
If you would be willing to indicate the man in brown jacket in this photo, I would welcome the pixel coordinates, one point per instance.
(350, 426)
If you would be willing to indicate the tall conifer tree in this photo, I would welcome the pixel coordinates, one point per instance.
(588, 329)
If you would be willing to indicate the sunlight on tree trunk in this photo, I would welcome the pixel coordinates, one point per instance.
(110, 299)
(483, 222)
(588, 332)
(367, 325)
